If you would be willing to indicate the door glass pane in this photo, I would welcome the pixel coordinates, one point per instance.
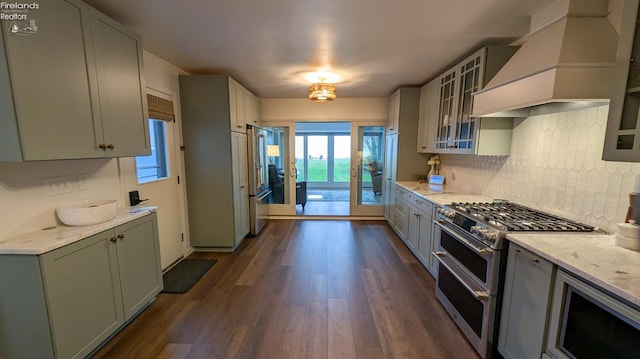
(300, 155)
(370, 165)
(317, 157)
(279, 165)
(341, 158)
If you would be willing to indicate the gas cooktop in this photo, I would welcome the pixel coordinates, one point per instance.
(513, 217)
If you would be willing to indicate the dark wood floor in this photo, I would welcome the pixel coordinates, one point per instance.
(302, 289)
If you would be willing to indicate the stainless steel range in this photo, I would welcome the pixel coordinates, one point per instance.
(472, 259)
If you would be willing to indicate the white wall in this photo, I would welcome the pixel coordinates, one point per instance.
(341, 109)
(555, 165)
(23, 204)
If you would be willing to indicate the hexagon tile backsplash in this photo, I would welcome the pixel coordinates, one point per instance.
(555, 166)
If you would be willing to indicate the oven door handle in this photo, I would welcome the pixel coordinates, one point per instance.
(478, 294)
(480, 251)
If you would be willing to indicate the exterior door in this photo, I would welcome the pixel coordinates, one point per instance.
(167, 193)
(367, 169)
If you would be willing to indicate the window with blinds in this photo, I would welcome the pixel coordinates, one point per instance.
(155, 166)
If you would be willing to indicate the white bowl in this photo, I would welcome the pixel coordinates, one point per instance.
(630, 230)
(86, 213)
(626, 242)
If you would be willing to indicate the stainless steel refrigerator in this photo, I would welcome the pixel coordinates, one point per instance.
(259, 191)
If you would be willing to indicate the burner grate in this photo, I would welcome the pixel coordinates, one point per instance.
(515, 217)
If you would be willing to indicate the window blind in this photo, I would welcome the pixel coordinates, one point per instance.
(160, 108)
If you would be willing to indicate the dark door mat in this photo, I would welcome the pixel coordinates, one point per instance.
(185, 274)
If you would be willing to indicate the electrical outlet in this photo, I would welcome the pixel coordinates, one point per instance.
(54, 186)
(83, 181)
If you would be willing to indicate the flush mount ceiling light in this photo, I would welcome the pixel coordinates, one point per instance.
(322, 92)
(322, 88)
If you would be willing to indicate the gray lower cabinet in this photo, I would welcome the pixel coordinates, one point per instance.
(435, 245)
(527, 292)
(65, 303)
(74, 89)
(401, 213)
(421, 230)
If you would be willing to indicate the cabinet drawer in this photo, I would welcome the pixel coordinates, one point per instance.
(421, 203)
(402, 208)
(401, 194)
(401, 224)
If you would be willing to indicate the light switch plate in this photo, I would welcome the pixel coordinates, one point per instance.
(54, 186)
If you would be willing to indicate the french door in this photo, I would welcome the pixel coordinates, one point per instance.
(367, 163)
(282, 171)
(318, 160)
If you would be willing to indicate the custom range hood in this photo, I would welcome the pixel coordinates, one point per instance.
(566, 62)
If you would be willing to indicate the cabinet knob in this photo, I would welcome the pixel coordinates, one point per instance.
(120, 236)
(110, 146)
(103, 146)
(112, 239)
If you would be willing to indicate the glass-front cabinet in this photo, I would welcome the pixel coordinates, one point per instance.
(457, 131)
(622, 141)
(446, 120)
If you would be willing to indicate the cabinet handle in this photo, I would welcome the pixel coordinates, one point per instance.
(423, 146)
(242, 186)
(120, 236)
(526, 257)
(112, 239)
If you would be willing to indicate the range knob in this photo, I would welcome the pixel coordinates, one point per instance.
(446, 213)
(493, 236)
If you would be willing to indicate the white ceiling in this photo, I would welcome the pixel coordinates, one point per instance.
(377, 45)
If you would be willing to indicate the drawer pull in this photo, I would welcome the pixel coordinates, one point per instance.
(527, 258)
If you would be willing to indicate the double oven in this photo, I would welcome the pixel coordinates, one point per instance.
(472, 260)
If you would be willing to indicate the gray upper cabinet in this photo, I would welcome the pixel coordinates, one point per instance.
(456, 131)
(73, 89)
(123, 118)
(427, 116)
(622, 140)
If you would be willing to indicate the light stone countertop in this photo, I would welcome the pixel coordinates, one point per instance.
(441, 194)
(592, 257)
(46, 240)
